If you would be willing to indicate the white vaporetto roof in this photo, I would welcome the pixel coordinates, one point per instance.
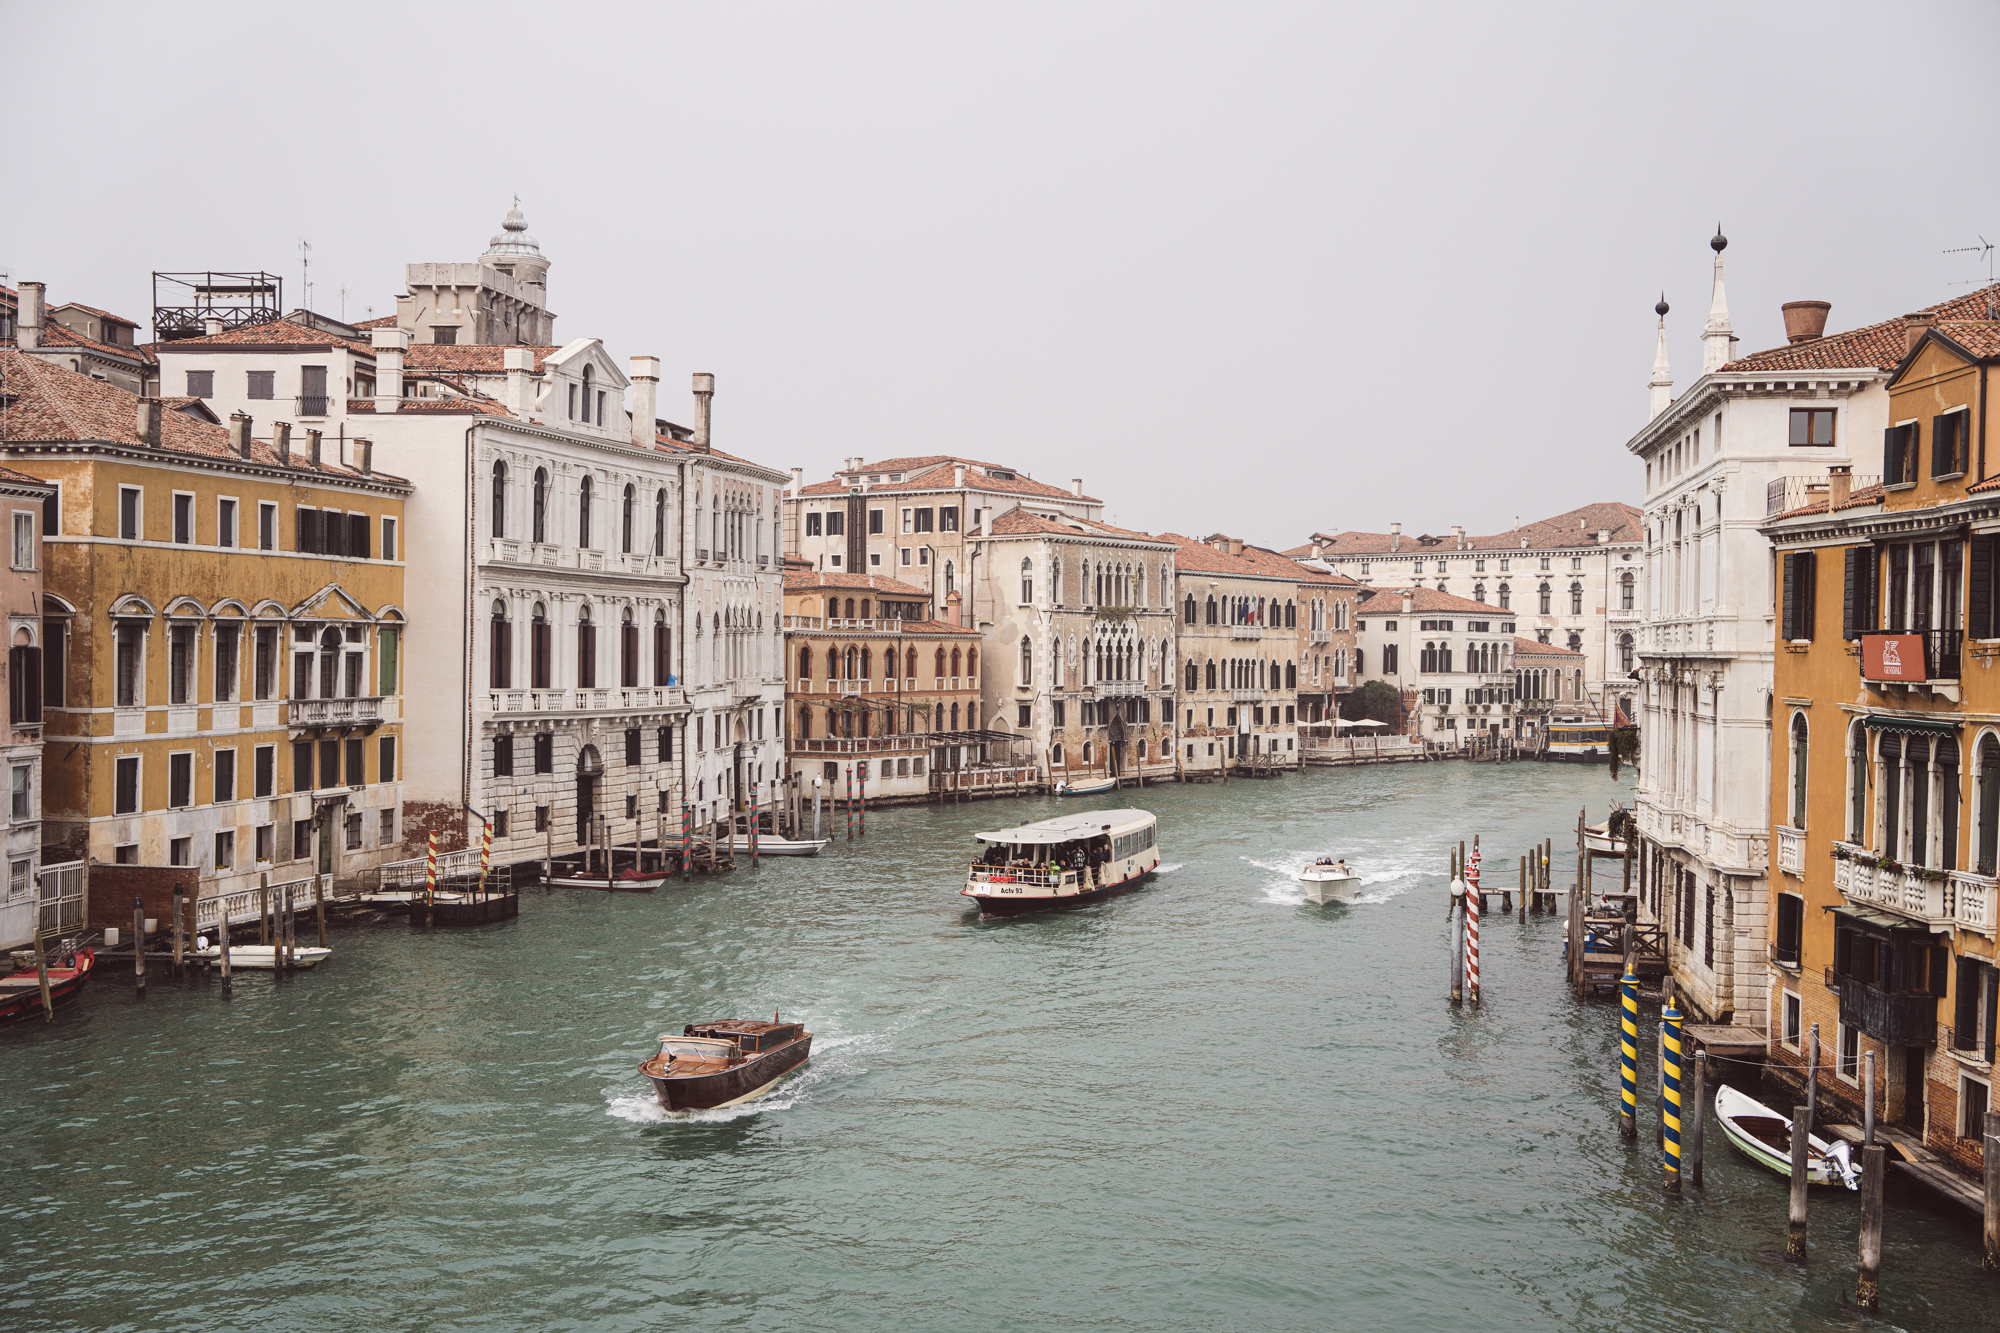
(1069, 828)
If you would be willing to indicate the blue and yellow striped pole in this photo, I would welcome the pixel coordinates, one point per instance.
(1628, 1057)
(1670, 1096)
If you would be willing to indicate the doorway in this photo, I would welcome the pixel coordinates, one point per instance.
(589, 770)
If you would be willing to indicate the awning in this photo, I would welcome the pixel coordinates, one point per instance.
(1874, 920)
(1912, 724)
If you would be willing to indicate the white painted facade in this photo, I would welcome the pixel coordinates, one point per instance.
(1457, 680)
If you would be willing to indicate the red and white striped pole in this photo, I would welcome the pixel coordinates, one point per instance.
(1472, 929)
(485, 853)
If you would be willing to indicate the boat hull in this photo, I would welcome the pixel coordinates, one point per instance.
(25, 1001)
(1091, 788)
(1330, 889)
(1731, 1105)
(727, 1087)
(779, 846)
(645, 884)
(1013, 905)
(259, 957)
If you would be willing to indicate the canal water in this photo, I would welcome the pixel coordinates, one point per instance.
(1205, 1105)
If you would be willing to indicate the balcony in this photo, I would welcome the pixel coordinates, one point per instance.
(1894, 1018)
(1319, 636)
(1110, 688)
(1245, 631)
(363, 712)
(1904, 890)
(642, 698)
(1972, 904)
(1251, 696)
(1912, 658)
(311, 405)
(1792, 851)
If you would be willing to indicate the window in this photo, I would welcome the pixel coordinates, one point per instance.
(539, 645)
(545, 752)
(625, 520)
(263, 774)
(201, 384)
(583, 510)
(128, 513)
(923, 517)
(499, 505)
(1576, 599)
(586, 649)
(836, 523)
(1627, 588)
(1798, 770)
(1974, 1099)
(24, 540)
(302, 839)
(1543, 594)
(541, 819)
(180, 780)
(813, 526)
(225, 776)
(1791, 923)
(263, 384)
(180, 673)
(539, 507)
(1799, 599)
(225, 850)
(1625, 653)
(499, 823)
(874, 522)
(329, 763)
(503, 756)
(386, 758)
(948, 518)
(1027, 588)
(267, 527)
(1950, 436)
(1812, 426)
(23, 805)
(267, 842)
(183, 518)
(1899, 454)
(178, 851)
(264, 669)
(125, 794)
(1024, 715)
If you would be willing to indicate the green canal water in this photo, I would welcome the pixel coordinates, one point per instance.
(1205, 1105)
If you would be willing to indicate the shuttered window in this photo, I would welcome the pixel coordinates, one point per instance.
(1857, 602)
(1949, 437)
(1799, 589)
(1979, 587)
(1899, 454)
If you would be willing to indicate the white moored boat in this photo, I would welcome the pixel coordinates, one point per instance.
(767, 846)
(1061, 862)
(1765, 1137)
(1330, 881)
(1085, 786)
(262, 957)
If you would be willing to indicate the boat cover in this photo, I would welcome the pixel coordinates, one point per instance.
(1069, 828)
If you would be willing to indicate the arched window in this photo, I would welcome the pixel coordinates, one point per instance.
(625, 521)
(1055, 580)
(1575, 645)
(1576, 599)
(1625, 653)
(1946, 761)
(971, 667)
(867, 664)
(1506, 598)
(589, 381)
(1212, 611)
(850, 608)
(628, 650)
(660, 521)
(1088, 600)
(1291, 675)
(583, 511)
(663, 649)
(950, 581)
(1626, 589)
(1478, 592)
(805, 722)
(586, 649)
(1291, 615)
(1188, 610)
(1543, 593)
(1027, 661)
(541, 505)
(805, 667)
(939, 671)
(853, 663)
(539, 654)
(499, 499)
(1798, 770)
(910, 666)
(1193, 676)
(1989, 804)
(501, 647)
(1211, 675)
(1027, 582)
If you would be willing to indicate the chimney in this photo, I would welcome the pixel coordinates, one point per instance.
(704, 390)
(364, 456)
(1839, 485)
(1315, 552)
(1076, 487)
(1604, 536)
(1458, 535)
(211, 327)
(1805, 320)
(31, 302)
(954, 608)
(389, 344)
(239, 434)
(645, 371)
(798, 480)
(1236, 546)
(281, 439)
(312, 439)
(1914, 328)
(148, 425)
(1395, 535)
(519, 363)
(1409, 602)
(958, 475)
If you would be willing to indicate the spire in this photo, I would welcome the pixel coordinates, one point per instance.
(1718, 341)
(1663, 378)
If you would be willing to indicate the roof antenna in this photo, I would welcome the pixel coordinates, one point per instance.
(1985, 251)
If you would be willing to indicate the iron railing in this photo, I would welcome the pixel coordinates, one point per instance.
(1894, 1018)
(311, 405)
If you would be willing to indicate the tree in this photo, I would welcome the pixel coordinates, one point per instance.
(1376, 700)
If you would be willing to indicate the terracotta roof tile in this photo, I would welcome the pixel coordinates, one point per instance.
(1864, 495)
(101, 314)
(1873, 346)
(382, 322)
(1981, 337)
(936, 472)
(468, 404)
(1021, 523)
(805, 580)
(1532, 648)
(1574, 528)
(53, 404)
(272, 333)
(1426, 601)
(58, 336)
(1254, 562)
(467, 358)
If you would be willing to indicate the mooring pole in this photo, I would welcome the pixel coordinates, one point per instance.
(222, 930)
(1457, 899)
(1991, 1150)
(1795, 1232)
(1670, 1097)
(180, 897)
(1812, 1079)
(1698, 1101)
(1628, 1057)
(1868, 1100)
(1868, 1280)
(139, 945)
(42, 971)
(1474, 901)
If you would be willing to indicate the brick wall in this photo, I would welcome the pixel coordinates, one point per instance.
(113, 887)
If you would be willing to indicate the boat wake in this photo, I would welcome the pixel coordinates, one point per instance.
(1382, 878)
(832, 1057)
(1168, 870)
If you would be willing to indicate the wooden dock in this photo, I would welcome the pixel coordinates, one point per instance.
(1919, 1163)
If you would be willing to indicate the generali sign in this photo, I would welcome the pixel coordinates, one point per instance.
(1893, 656)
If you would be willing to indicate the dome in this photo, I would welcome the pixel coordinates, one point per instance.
(513, 240)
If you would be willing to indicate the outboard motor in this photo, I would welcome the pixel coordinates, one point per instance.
(1840, 1162)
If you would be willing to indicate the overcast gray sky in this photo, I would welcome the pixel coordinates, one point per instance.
(1249, 268)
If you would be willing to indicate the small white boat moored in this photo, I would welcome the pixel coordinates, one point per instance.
(1085, 786)
(779, 846)
(1765, 1137)
(256, 957)
(1330, 881)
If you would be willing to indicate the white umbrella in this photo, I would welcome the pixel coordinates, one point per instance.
(1364, 722)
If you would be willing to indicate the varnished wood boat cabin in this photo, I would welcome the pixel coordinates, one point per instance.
(722, 1063)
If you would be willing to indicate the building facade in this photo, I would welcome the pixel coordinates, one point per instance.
(1449, 658)
(225, 689)
(1885, 759)
(27, 501)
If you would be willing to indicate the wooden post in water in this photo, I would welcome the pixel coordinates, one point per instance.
(180, 958)
(549, 851)
(139, 945)
(222, 932)
(1524, 890)
(1812, 1078)
(42, 970)
(264, 908)
(1990, 1148)
(1868, 1100)
(1795, 1231)
(319, 906)
(1628, 1057)
(1699, 1102)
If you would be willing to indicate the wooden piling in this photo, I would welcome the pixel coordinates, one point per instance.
(42, 971)
(1795, 1231)
(222, 933)
(1812, 1078)
(1868, 1277)
(264, 908)
(1868, 1100)
(139, 945)
(1457, 954)
(1990, 1149)
(1524, 890)
(319, 907)
(1694, 1110)
(180, 957)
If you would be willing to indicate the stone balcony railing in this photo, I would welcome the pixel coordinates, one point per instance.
(1247, 696)
(1953, 898)
(585, 700)
(1108, 688)
(1791, 850)
(336, 712)
(1245, 631)
(1319, 636)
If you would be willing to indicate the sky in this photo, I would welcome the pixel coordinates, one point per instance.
(1260, 269)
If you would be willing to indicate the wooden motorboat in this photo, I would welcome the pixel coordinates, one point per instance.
(21, 992)
(721, 1064)
(778, 846)
(1765, 1137)
(1598, 840)
(625, 881)
(256, 957)
(1064, 861)
(1085, 786)
(1330, 881)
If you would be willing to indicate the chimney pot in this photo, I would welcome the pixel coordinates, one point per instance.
(645, 376)
(798, 480)
(519, 364)
(211, 327)
(147, 427)
(32, 303)
(1409, 602)
(1805, 320)
(312, 443)
(1076, 487)
(389, 344)
(958, 474)
(1839, 485)
(1914, 328)
(704, 390)
(364, 454)
(281, 439)
(239, 433)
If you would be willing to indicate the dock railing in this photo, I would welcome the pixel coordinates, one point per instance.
(411, 874)
(245, 905)
(1040, 876)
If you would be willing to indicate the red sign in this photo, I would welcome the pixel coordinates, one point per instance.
(1892, 656)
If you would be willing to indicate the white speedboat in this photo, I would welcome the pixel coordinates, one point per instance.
(256, 957)
(1085, 786)
(1765, 1137)
(778, 846)
(1330, 881)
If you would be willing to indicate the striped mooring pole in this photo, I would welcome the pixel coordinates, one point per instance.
(1670, 1096)
(850, 803)
(485, 853)
(431, 869)
(1628, 1056)
(756, 795)
(863, 811)
(687, 842)
(1472, 929)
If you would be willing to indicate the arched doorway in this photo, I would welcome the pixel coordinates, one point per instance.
(589, 771)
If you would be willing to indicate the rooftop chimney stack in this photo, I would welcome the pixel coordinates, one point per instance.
(1839, 485)
(1076, 487)
(1395, 536)
(32, 303)
(645, 374)
(1805, 321)
(519, 363)
(211, 327)
(281, 439)
(313, 438)
(1604, 536)
(798, 481)
(364, 457)
(1914, 328)
(389, 344)
(955, 608)
(958, 475)
(1458, 536)
(239, 434)
(1409, 602)
(704, 390)
(147, 426)
(1236, 546)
